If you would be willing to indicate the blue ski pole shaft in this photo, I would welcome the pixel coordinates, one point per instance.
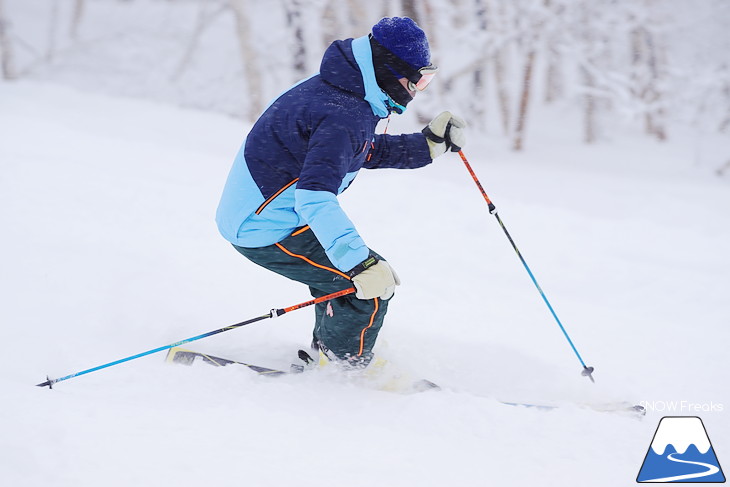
(271, 314)
(587, 371)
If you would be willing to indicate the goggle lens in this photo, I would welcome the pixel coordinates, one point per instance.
(427, 75)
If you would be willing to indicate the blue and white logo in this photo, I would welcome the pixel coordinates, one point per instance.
(681, 452)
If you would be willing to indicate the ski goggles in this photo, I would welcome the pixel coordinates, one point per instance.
(425, 75)
(418, 79)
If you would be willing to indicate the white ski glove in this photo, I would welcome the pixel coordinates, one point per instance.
(378, 280)
(445, 132)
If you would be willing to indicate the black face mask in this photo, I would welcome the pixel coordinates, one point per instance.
(385, 62)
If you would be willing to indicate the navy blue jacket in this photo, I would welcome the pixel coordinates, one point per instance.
(305, 149)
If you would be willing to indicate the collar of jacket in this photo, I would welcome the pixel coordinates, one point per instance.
(377, 98)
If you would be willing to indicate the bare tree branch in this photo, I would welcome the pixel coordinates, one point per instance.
(77, 15)
(204, 19)
(6, 46)
(249, 59)
(519, 136)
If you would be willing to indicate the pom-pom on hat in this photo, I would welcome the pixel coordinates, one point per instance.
(403, 37)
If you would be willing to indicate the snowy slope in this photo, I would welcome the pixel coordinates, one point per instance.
(109, 248)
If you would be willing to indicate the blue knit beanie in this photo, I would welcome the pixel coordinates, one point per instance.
(403, 37)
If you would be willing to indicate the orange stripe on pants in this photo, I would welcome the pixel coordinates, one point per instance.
(362, 333)
(308, 261)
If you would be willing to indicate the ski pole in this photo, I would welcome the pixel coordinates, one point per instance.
(271, 314)
(587, 371)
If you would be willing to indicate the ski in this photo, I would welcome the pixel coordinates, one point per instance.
(183, 356)
(619, 407)
(397, 383)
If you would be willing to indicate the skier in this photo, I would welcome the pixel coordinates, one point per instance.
(279, 207)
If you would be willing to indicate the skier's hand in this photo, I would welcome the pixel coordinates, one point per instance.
(376, 281)
(445, 132)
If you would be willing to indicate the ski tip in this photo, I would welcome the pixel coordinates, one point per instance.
(48, 383)
(179, 355)
(639, 409)
(425, 385)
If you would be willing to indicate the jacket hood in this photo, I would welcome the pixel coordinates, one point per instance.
(340, 69)
(348, 65)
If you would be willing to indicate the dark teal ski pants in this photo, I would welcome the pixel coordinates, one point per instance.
(345, 326)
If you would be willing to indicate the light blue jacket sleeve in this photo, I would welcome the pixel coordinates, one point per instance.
(334, 230)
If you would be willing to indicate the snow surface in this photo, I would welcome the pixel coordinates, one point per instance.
(109, 249)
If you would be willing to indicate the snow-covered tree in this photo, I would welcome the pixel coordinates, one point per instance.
(646, 64)
(7, 63)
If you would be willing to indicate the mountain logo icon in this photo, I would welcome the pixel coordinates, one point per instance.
(681, 452)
